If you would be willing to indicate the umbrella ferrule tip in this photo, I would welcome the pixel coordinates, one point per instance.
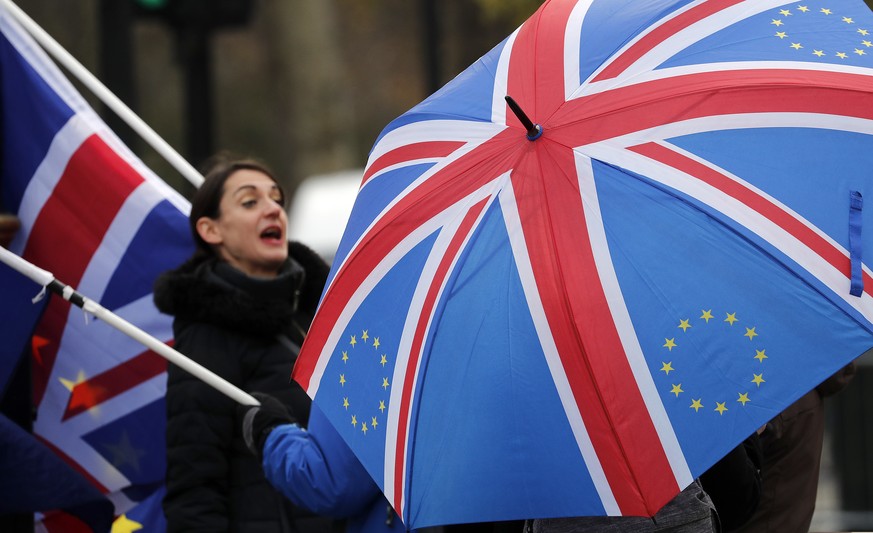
(535, 132)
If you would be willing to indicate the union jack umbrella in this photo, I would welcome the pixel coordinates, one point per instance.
(576, 300)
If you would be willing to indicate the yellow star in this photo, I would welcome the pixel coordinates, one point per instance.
(848, 20)
(785, 13)
(346, 403)
(376, 342)
(719, 406)
(364, 428)
(818, 53)
(670, 344)
(860, 52)
(684, 325)
(343, 380)
(696, 405)
(842, 55)
(796, 46)
(706, 315)
(382, 405)
(354, 420)
(802, 9)
(826, 11)
(868, 44)
(345, 356)
(744, 397)
(758, 379)
(677, 389)
(384, 361)
(776, 22)
(365, 336)
(862, 31)
(70, 384)
(374, 422)
(353, 341)
(781, 34)
(760, 355)
(667, 367)
(731, 318)
(123, 524)
(750, 333)
(384, 383)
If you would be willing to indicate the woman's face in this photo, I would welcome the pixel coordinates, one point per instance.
(250, 232)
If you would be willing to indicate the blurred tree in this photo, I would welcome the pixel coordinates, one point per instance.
(511, 11)
(183, 14)
(116, 61)
(310, 86)
(382, 58)
(306, 85)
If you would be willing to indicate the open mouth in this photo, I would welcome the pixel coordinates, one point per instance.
(271, 233)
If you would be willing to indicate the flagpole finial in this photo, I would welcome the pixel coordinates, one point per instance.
(533, 130)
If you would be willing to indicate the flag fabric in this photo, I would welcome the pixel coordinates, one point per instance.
(582, 323)
(103, 223)
(50, 482)
(18, 317)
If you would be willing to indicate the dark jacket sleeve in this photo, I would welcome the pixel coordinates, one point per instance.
(734, 483)
(838, 381)
(200, 428)
(317, 470)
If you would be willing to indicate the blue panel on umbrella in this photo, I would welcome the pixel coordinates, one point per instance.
(794, 32)
(609, 26)
(730, 337)
(373, 198)
(467, 97)
(355, 393)
(821, 165)
(487, 382)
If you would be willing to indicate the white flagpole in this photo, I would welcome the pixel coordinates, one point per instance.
(104, 94)
(47, 280)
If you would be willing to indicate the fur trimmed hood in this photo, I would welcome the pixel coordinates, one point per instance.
(193, 292)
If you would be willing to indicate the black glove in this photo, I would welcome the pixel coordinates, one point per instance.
(258, 421)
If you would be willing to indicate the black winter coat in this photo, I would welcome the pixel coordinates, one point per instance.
(247, 331)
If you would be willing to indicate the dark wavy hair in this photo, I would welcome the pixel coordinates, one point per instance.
(207, 199)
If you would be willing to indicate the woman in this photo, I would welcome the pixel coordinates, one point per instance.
(241, 306)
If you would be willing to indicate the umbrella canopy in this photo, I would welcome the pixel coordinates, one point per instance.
(580, 315)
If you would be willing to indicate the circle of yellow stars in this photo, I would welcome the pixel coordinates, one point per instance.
(782, 18)
(730, 320)
(364, 423)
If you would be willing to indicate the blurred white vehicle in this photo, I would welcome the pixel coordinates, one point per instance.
(320, 209)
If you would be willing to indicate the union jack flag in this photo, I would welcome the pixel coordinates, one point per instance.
(583, 323)
(100, 221)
